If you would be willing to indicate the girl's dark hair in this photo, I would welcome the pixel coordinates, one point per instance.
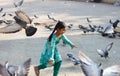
(59, 25)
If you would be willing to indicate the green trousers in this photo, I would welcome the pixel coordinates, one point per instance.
(56, 67)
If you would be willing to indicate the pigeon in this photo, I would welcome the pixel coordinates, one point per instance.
(116, 23)
(92, 28)
(23, 16)
(48, 27)
(10, 28)
(70, 26)
(112, 71)
(20, 70)
(108, 30)
(23, 19)
(3, 70)
(88, 20)
(23, 69)
(104, 52)
(89, 67)
(18, 4)
(70, 55)
(11, 69)
(52, 18)
(84, 29)
(75, 60)
(1, 9)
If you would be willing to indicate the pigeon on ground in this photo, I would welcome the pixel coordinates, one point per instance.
(105, 52)
(89, 67)
(88, 20)
(70, 26)
(84, 29)
(116, 23)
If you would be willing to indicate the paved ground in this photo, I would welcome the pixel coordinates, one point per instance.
(16, 48)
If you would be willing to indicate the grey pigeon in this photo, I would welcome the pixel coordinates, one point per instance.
(1, 9)
(23, 69)
(75, 60)
(23, 19)
(89, 67)
(3, 70)
(104, 52)
(88, 20)
(18, 4)
(11, 69)
(10, 28)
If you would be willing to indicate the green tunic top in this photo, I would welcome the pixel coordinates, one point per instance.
(50, 50)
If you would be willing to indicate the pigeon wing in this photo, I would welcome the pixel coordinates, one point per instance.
(10, 28)
(23, 16)
(109, 29)
(109, 46)
(112, 71)
(88, 66)
(24, 68)
(3, 70)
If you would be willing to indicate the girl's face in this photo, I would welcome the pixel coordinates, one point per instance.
(61, 31)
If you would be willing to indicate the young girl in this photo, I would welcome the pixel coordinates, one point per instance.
(50, 55)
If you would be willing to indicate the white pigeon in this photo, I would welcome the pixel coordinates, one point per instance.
(104, 52)
(89, 67)
(112, 71)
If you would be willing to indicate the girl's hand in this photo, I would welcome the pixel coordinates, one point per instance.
(50, 61)
(73, 46)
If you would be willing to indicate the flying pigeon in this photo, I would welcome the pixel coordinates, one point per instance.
(3, 70)
(10, 28)
(52, 18)
(11, 69)
(112, 71)
(18, 4)
(89, 67)
(104, 52)
(75, 60)
(23, 19)
(20, 70)
(23, 69)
